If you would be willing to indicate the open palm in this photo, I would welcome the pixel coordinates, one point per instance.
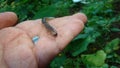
(17, 49)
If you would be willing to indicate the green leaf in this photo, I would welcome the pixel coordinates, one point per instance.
(80, 36)
(49, 11)
(58, 61)
(96, 59)
(113, 67)
(115, 29)
(105, 66)
(58, 9)
(83, 46)
(112, 45)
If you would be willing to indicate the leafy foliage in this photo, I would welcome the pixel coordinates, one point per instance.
(96, 59)
(97, 45)
(113, 45)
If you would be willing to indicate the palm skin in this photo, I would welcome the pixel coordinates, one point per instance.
(17, 49)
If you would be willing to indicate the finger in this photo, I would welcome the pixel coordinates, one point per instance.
(67, 27)
(80, 16)
(7, 19)
(70, 30)
(35, 27)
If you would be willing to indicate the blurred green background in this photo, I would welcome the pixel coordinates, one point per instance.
(97, 46)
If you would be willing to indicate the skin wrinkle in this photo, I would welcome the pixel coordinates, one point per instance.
(31, 40)
(39, 62)
(22, 61)
(18, 35)
(35, 25)
(6, 60)
(34, 55)
(24, 31)
(4, 57)
(26, 58)
(22, 54)
(3, 47)
(15, 36)
(21, 32)
(42, 54)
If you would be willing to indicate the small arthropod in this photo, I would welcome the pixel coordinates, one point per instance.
(48, 26)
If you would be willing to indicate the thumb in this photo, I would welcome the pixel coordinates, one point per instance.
(7, 19)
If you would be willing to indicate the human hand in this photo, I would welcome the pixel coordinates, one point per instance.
(17, 49)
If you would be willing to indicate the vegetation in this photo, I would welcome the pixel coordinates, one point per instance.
(97, 46)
